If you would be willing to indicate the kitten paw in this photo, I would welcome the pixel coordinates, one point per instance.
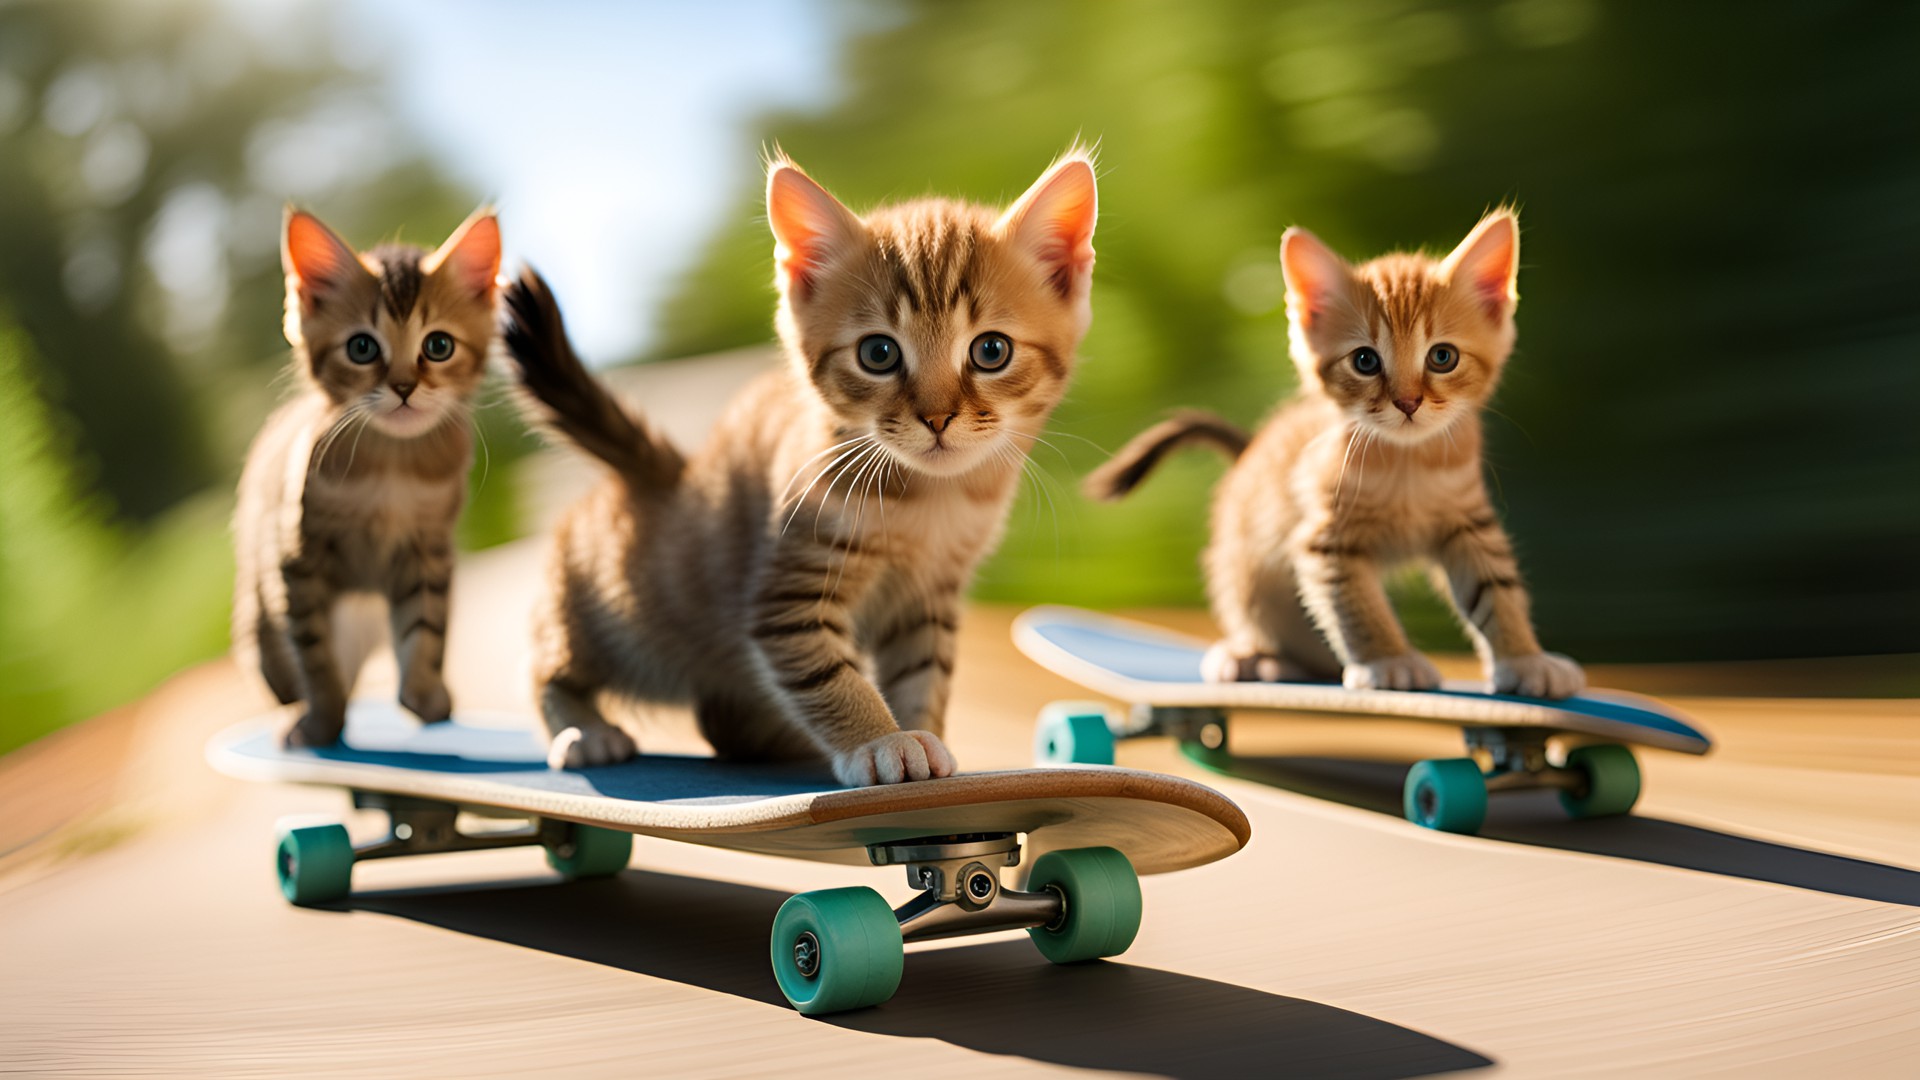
(314, 728)
(431, 704)
(1408, 671)
(1541, 675)
(1222, 665)
(584, 748)
(892, 759)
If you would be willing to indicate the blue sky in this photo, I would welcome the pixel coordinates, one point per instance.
(611, 135)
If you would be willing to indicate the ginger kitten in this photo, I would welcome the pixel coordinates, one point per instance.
(1376, 461)
(799, 580)
(351, 490)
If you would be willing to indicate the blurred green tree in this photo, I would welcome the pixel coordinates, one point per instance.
(145, 153)
(1700, 446)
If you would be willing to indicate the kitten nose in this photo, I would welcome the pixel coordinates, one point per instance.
(937, 423)
(1408, 404)
(403, 389)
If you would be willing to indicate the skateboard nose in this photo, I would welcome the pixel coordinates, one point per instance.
(1408, 404)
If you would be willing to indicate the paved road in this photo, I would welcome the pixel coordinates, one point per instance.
(1759, 915)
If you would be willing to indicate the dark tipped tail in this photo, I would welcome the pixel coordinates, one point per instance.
(566, 398)
(1138, 458)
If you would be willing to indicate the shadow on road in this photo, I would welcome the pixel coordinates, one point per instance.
(999, 997)
(1535, 817)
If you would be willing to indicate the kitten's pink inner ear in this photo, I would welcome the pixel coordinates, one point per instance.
(1488, 262)
(312, 253)
(471, 254)
(1313, 272)
(1055, 220)
(808, 224)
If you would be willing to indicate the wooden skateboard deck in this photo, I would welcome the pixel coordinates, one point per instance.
(1081, 835)
(1158, 673)
(1161, 823)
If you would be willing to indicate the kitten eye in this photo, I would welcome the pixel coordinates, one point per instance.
(991, 351)
(1443, 358)
(879, 353)
(439, 345)
(1366, 361)
(362, 349)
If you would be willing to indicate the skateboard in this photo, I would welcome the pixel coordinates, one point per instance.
(1157, 672)
(1086, 833)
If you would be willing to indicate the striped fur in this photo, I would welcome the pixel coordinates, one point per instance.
(1361, 472)
(352, 489)
(799, 580)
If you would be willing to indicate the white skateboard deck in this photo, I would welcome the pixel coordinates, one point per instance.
(1147, 665)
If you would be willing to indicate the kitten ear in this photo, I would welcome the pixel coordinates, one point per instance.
(809, 226)
(472, 254)
(1488, 263)
(316, 260)
(1314, 273)
(1054, 221)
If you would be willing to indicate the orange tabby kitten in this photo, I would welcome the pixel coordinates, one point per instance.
(1375, 462)
(798, 580)
(352, 488)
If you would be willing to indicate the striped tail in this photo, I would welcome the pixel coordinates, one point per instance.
(1136, 459)
(568, 399)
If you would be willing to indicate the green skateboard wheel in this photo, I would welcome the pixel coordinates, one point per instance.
(836, 949)
(1613, 781)
(590, 852)
(315, 863)
(1449, 794)
(1073, 733)
(1102, 898)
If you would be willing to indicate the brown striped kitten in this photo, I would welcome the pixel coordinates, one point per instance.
(1375, 462)
(798, 580)
(350, 493)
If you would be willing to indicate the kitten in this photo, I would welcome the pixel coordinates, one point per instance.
(799, 580)
(351, 490)
(1376, 461)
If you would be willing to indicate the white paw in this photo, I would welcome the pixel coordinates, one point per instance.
(583, 748)
(1408, 671)
(1541, 675)
(891, 759)
(1222, 665)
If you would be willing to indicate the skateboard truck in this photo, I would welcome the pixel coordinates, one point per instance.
(1204, 726)
(1517, 760)
(960, 891)
(426, 826)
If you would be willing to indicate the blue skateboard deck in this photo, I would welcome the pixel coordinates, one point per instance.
(1149, 666)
